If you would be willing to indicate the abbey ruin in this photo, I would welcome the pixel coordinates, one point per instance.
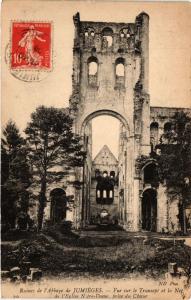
(111, 77)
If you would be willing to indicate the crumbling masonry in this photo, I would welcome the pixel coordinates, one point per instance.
(111, 77)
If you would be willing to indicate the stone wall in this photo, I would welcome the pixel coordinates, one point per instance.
(99, 47)
(95, 208)
(104, 161)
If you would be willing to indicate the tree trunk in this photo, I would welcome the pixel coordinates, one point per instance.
(184, 219)
(42, 203)
(184, 197)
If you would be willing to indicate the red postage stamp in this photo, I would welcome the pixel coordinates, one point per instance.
(31, 45)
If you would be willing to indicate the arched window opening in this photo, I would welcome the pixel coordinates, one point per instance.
(167, 127)
(107, 38)
(120, 71)
(89, 37)
(124, 33)
(124, 38)
(92, 70)
(151, 175)
(89, 32)
(105, 190)
(154, 134)
(105, 174)
(99, 194)
(112, 174)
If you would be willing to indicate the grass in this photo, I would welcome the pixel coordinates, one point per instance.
(70, 255)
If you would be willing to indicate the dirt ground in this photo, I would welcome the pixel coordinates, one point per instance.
(87, 254)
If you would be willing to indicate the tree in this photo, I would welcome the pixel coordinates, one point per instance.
(16, 176)
(53, 149)
(175, 162)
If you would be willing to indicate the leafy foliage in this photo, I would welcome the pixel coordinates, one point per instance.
(53, 148)
(16, 176)
(175, 147)
(175, 160)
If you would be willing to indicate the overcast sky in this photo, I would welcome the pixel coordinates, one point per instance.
(170, 52)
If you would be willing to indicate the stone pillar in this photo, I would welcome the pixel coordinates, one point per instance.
(136, 183)
(162, 209)
(144, 37)
(145, 142)
(77, 209)
(47, 211)
(173, 222)
(161, 131)
(136, 204)
(129, 186)
(143, 25)
(69, 212)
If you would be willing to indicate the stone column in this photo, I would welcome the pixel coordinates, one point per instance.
(47, 211)
(69, 212)
(136, 205)
(173, 222)
(162, 209)
(129, 188)
(144, 37)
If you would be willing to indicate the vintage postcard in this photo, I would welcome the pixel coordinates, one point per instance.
(96, 150)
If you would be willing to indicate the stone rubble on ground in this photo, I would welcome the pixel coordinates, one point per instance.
(25, 273)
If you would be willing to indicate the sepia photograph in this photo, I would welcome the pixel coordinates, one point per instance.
(96, 150)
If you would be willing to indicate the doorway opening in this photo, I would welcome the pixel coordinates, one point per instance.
(105, 143)
(149, 210)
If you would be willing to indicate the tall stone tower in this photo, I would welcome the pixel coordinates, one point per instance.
(110, 77)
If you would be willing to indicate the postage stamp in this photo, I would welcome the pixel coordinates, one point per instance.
(31, 50)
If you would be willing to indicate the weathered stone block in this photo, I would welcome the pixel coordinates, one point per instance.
(172, 268)
(15, 278)
(15, 271)
(35, 274)
(5, 274)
